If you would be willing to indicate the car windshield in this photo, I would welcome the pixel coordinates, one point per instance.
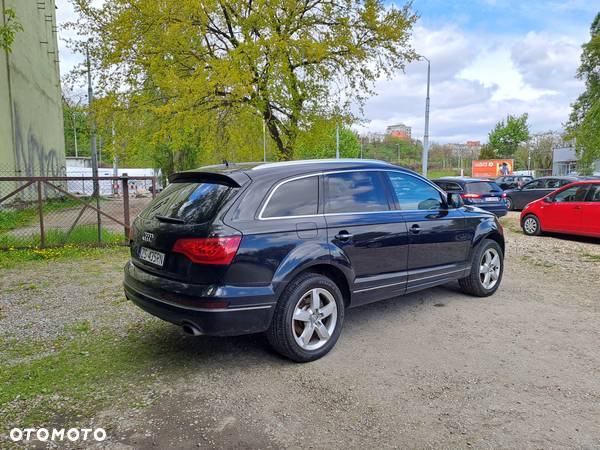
(482, 187)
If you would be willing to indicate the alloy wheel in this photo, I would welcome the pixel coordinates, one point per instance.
(530, 225)
(489, 268)
(314, 319)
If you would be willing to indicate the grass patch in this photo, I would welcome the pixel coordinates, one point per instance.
(13, 258)
(439, 173)
(17, 218)
(83, 234)
(78, 377)
(591, 257)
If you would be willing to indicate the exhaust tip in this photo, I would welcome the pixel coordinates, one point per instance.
(191, 329)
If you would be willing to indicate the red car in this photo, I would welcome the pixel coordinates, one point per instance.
(572, 209)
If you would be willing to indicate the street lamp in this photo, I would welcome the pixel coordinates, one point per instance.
(426, 134)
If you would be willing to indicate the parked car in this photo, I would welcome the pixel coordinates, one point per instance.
(483, 193)
(512, 181)
(517, 199)
(573, 209)
(287, 248)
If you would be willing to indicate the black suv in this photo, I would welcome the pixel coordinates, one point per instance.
(287, 248)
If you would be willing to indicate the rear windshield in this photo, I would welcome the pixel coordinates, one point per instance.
(482, 187)
(190, 202)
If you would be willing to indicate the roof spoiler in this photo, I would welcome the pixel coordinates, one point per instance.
(206, 177)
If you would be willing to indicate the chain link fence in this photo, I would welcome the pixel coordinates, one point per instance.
(51, 211)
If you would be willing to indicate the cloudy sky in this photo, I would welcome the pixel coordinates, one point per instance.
(489, 58)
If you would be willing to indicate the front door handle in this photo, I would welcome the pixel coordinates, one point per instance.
(415, 229)
(343, 236)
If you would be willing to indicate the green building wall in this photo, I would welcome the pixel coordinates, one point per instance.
(31, 120)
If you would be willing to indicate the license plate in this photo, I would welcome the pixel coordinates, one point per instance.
(152, 256)
(492, 199)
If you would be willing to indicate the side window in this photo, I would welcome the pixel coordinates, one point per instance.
(453, 187)
(294, 198)
(572, 194)
(537, 184)
(413, 194)
(349, 192)
(593, 194)
(562, 183)
(442, 184)
(555, 184)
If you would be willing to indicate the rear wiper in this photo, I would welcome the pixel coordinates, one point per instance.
(169, 219)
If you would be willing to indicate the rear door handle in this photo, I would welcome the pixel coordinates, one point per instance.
(415, 229)
(343, 236)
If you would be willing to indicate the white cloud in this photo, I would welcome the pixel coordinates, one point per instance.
(477, 80)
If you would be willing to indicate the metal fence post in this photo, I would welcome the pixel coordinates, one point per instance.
(125, 184)
(41, 213)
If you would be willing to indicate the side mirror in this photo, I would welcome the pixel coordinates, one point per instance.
(454, 200)
(549, 199)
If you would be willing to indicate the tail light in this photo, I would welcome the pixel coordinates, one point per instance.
(503, 195)
(215, 250)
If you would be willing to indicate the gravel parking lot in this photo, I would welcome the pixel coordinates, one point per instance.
(436, 369)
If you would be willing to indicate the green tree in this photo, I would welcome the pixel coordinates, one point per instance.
(319, 141)
(9, 29)
(584, 121)
(506, 136)
(286, 62)
(487, 152)
(77, 129)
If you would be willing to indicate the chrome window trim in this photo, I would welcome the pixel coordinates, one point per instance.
(278, 185)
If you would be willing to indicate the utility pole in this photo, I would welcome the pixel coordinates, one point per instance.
(74, 132)
(361, 147)
(264, 140)
(96, 190)
(426, 134)
(337, 140)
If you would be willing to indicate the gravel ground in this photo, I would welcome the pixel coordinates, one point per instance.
(435, 369)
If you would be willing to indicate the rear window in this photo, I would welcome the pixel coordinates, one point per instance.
(294, 198)
(482, 187)
(190, 202)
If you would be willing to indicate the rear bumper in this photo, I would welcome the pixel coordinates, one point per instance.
(248, 309)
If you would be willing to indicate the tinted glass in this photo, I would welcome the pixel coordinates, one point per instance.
(448, 186)
(537, 184)
(355, 192)
(572, 194)
(554, 184)
(413, 193)
(294, 198)
(482, 187)
(190, 202)
(593, 194)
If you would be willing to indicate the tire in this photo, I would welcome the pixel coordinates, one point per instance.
(294, 338)
(509, 204)
(474, 284)
(531, 225)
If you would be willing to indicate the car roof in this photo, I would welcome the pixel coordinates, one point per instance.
(586, 181)
(286, 169)
(464, 180)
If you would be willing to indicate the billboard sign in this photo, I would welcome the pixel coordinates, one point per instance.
(492, 168)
